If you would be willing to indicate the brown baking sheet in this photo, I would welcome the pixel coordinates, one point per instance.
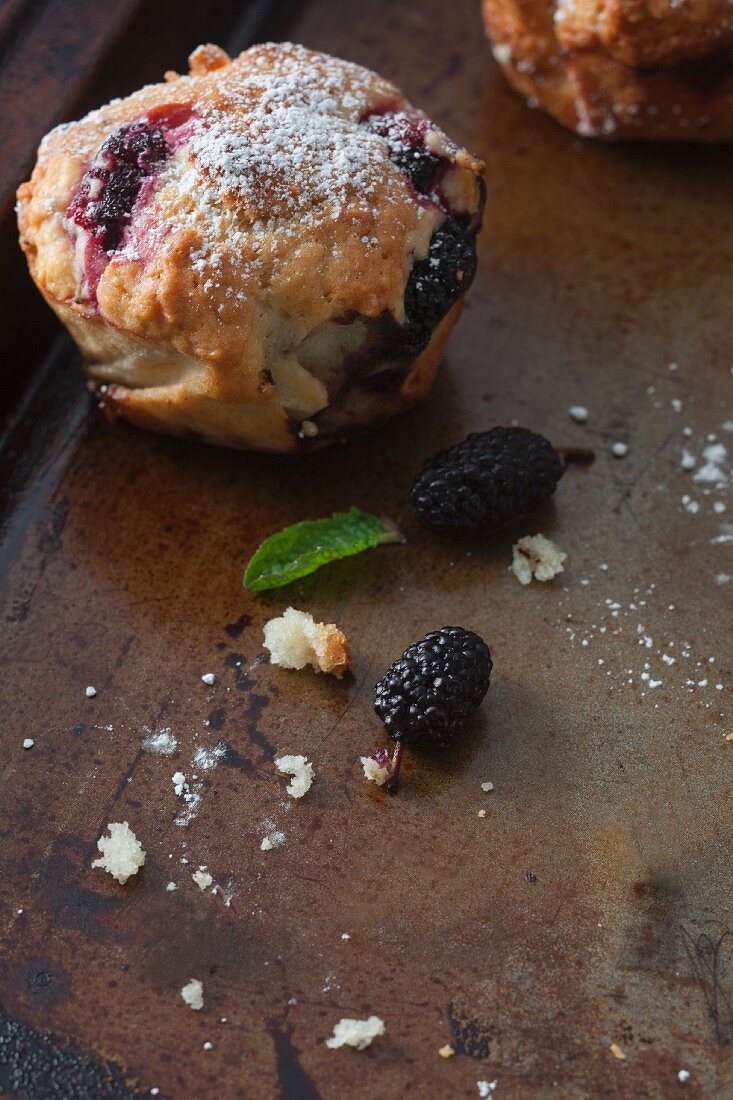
(591, 906)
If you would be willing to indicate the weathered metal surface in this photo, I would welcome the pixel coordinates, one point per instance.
(592, 904)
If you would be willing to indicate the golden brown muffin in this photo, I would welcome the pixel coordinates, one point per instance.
(265, 253)
(647, 69)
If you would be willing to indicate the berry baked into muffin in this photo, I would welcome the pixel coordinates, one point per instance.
(647, 69)
(266, 253)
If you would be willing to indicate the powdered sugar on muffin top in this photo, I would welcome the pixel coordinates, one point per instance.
(281, 150)
(285, 138)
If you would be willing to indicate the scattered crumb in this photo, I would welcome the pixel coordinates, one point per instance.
(355, 1033)
(28, 742)
(122, 854)
(202, 879)
(345, 936)
(729, 736)
(191, 797)
(296, 640)
(482, 813)
(617, 1052)
(683, 1076)
(377, 767)
(619, 450)
(578, 413)
(171, 887)
(447, 1051)
(273, 840)
(485, 1088)
(208, 678)
(301, 771)
(208, 1046)
(536, 556)
(193, 994)
(90, 692)
(206, 759)
(488, 786)
(179, 783)
(713, 472)
(163, 743)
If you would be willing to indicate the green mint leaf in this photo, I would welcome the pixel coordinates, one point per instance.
(305, 547)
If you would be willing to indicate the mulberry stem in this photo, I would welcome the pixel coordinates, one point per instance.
(393, 781)
(575, 456)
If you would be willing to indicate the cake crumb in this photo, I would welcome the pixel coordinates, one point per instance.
(447, 1051)
(28, 742)
(163, 743)
(273, 840)
(619, 449)
(202, 879)
(683, 1075)
(482, 813)
(301, 771)
(487, 786)
(180, 785)
(208, 678)
(90, 692)
(485, 1088)
(122, 854)
(578, 413)
(295, 640)
(355, 1033)
(377, 767)
(617, 1052)
(536, 556)
(193, 994)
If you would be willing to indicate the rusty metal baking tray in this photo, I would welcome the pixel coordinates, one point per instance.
(591, 906)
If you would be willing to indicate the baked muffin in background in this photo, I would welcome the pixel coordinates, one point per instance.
(624, 69)
(267, 253)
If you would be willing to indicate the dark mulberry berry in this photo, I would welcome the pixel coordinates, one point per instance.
(488, 480)
(110, 186)
(426, 697)
(438, 281)
(405, 137)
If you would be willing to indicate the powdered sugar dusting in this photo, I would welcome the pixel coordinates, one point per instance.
(284, 136)
(162, 743)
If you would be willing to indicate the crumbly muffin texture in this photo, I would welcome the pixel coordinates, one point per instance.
(265, 253)
(295, 640)
(122, 853)
(646, 69)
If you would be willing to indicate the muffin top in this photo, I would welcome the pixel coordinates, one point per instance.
(232, 211)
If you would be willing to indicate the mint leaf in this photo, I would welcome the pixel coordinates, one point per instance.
(305, 547)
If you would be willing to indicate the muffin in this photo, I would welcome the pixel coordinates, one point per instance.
(645, 69)
(267, 253)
